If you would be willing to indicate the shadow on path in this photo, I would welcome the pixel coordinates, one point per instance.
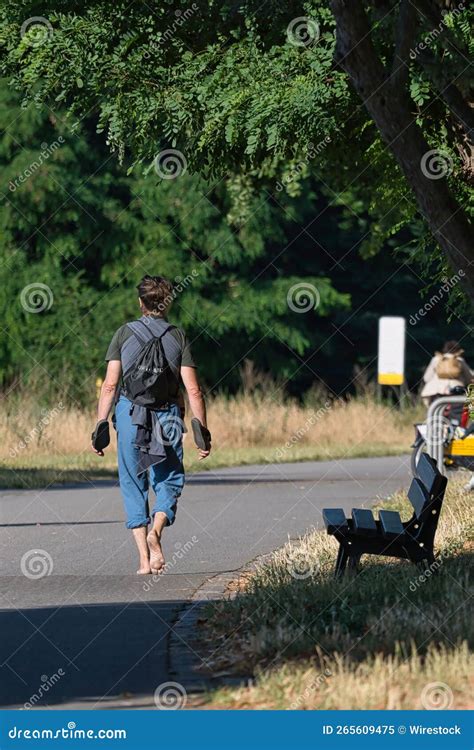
(50, 655)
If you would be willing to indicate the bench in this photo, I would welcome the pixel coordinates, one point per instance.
(412, 540)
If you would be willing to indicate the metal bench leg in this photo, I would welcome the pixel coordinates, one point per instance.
(354, 563)
(427, 563)
(342, 557)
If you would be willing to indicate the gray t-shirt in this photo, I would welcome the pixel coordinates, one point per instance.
(180, 356)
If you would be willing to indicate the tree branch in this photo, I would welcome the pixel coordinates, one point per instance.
(390, 107)
(405, 34)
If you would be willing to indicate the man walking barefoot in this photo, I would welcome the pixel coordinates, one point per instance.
(149, 418)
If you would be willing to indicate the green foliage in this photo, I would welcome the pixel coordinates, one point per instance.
(273, 139)
(233, 87)
(72, 222)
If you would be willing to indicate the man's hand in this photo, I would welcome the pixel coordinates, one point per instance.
(202, 438)
(106, 400)
(198, 408)
(100, 438)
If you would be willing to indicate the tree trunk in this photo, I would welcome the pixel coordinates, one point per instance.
(390, 107)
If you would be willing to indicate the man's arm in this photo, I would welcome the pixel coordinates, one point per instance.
(107, 391)
(196, 399)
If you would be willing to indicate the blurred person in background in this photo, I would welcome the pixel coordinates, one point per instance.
(447, 370)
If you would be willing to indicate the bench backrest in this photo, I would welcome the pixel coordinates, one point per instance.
(428, 472)
(426, 495)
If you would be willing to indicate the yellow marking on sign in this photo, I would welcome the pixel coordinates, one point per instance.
(391, 378)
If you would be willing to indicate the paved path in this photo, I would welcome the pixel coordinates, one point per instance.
(98, 631)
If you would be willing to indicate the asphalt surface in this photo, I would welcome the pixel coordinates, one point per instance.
(75, 617)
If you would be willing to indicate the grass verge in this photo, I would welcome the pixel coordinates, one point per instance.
(391, 638)
(41, 446)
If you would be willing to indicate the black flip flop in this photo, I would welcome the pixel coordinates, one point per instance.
(202, 436)
(101, 435)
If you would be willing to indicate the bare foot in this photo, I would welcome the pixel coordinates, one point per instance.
(157, 561)
(144, 569)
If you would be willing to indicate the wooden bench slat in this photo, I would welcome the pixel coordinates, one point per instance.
(391, 523)
(335, 520)
(419, 497)
(427, 472)
(364, 521)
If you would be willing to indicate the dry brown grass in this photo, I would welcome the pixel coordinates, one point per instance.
(283, 430)
(372, 642)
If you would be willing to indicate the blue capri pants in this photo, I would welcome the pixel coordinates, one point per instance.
(166, 478)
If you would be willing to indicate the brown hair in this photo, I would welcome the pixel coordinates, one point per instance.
(156, 294)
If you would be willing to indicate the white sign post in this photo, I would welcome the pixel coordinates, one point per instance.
(391, 354)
